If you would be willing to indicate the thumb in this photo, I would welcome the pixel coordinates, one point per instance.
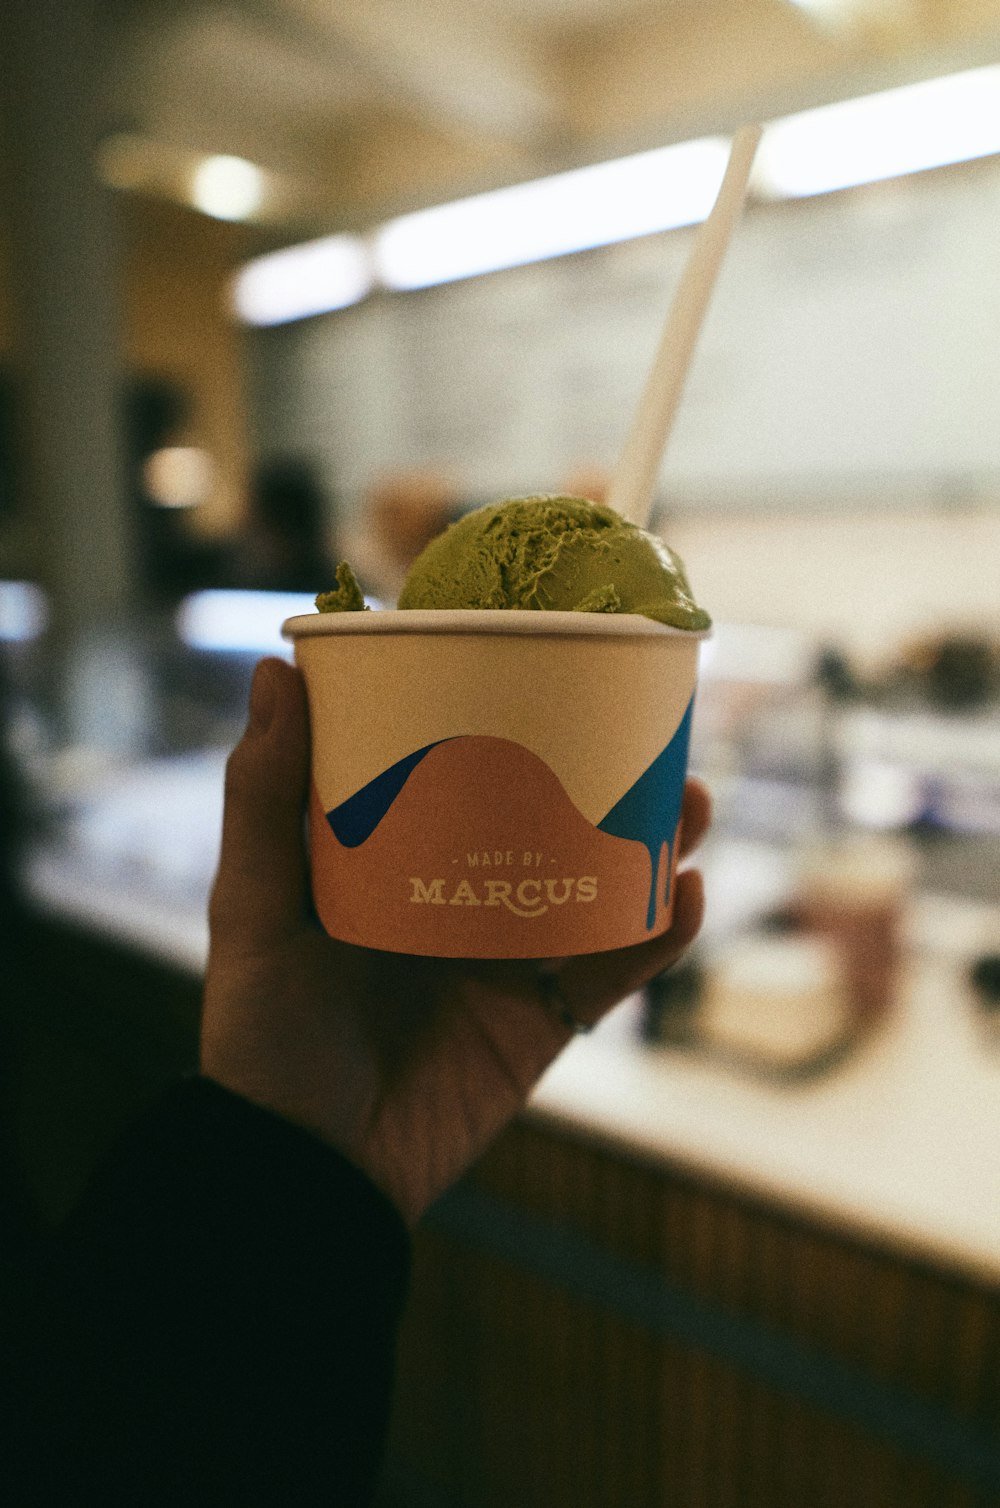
(260, 889)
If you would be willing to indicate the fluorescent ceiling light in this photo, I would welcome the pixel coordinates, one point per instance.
(302, 280)
(249, 622)
(550, 217)
(907, 130)
(888, 135)
(229, 188)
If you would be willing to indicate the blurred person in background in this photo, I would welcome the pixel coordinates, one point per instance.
(215, 1322)
(590, 481)
(286, 543)
(172, 559)
(402, 513)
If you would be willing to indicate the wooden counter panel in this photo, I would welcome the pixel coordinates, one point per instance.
(588, 1330)
(592, 1325)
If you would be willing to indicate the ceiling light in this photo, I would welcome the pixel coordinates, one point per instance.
(229, 188)
(550, 217)
(907, 130)
(301, 280)
(178, 476)
(879, 136)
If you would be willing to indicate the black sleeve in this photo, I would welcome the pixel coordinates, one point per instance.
(216, 1324)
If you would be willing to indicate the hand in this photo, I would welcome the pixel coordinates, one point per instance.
(408, 1066)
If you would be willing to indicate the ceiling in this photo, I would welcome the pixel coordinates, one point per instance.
(356, 109)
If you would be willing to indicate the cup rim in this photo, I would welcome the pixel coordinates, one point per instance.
(503, 621)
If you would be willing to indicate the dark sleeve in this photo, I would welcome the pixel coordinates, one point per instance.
(216, 1324)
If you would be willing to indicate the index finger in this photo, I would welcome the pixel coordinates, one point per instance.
(696, 816)
(261, 882)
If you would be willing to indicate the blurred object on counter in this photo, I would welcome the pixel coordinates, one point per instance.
(880, 795)
(955, 672)
(671, 1006)
(587, 480)
(835, 675)
(128, 852)
(771, 706)
(853, 889)
(921, 770)
(777, 1003)
(750, 722)
(984, 977)
(402, 513)
(788, 989)
(796, 735)
(835, 685)
(773, 1002)
(286, 545)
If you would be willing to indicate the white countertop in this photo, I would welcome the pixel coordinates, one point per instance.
(900, 1143)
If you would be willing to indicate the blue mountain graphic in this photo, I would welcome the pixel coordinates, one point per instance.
(650, 809)
(355, 819)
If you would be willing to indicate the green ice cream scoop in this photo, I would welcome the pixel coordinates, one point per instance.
(556, 554)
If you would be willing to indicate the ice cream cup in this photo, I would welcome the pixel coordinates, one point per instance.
(499, 784)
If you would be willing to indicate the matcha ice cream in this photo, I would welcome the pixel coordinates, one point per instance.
(461, 806)
(346, 596)
(551, 554)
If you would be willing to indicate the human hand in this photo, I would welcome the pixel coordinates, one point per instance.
(408, 1066)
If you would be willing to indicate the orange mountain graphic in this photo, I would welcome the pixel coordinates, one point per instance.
(479, 852)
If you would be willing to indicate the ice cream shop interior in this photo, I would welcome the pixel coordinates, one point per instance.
(286, 284)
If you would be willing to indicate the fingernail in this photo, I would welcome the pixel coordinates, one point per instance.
(262, 698)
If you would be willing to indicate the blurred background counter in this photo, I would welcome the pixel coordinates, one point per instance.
(712, 1261)
(884, 1127)
(742, 1248)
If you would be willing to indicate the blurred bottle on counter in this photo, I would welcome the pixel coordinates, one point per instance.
(950, 672)
(854, 888)
(671, 1004)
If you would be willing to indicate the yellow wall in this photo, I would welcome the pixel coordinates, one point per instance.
(175, 270)
(176, 267)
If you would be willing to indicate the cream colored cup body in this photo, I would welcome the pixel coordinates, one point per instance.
(495, 785)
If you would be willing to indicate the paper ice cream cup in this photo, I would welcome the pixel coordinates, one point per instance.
(495, 784)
